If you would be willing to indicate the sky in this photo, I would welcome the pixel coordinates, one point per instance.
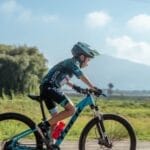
(119, 28)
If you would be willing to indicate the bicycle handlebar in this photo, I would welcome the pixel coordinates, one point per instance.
(90, 91)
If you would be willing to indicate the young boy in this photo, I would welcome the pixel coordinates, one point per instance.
(59, 75)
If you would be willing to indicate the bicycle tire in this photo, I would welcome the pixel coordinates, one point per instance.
(107, 117)
(26, 121)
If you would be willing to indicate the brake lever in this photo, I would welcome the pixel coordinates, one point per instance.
(104, 95)
(98, 95)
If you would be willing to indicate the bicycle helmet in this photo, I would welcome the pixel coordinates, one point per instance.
(82, 48)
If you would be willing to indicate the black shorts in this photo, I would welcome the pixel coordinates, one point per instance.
(52, 95)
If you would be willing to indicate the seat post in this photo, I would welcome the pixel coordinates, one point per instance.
(42, 110)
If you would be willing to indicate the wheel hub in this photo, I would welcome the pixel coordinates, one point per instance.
(55, 147)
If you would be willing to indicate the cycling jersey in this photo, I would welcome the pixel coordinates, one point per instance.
(62, 72)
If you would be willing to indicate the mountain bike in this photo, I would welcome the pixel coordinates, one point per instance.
(103, 131)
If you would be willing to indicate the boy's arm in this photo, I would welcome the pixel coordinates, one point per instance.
(87, 81)
(69, 83)
(96, 90)
(84, 79)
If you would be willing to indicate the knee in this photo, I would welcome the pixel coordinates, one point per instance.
(70, 109)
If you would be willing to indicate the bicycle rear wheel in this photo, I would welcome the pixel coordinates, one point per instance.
(16, 132)
(118, 130)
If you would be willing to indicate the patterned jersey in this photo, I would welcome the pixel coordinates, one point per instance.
(62, 72)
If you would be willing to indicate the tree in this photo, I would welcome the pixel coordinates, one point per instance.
(109, 91)
(21, 69)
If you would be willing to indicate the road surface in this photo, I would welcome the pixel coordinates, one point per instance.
(71, 145)
(67, 145)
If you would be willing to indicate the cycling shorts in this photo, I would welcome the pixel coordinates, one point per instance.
(53, 96)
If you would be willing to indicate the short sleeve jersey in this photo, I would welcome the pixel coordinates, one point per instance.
(62, 72)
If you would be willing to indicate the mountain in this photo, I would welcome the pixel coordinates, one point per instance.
(123, 74)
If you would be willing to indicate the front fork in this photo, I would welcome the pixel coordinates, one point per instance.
(103, 140)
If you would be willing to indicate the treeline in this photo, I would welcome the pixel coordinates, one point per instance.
(21, 69)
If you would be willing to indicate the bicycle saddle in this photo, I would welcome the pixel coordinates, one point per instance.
(35, 97)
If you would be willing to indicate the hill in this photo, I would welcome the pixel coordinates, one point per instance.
(124, 74)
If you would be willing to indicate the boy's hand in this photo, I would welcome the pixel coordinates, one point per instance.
(77, 88)
(97, 91)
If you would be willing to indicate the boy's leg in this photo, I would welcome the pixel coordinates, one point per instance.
(69, 111)
(54, 95)
(53, 114)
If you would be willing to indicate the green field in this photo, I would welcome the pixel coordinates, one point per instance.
(136, 111)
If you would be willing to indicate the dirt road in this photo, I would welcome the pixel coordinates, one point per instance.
(70, 145)
(74, 146)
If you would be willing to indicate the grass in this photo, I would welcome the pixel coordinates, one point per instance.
(136, 111)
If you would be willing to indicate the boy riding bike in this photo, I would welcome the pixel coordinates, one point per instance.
(60, 74)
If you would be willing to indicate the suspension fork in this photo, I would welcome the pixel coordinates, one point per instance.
(100, 124)
(104, 140)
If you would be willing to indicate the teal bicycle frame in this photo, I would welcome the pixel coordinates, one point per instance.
(79, 108)
(97, 121)
(88, 100)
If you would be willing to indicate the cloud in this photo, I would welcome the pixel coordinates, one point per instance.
(97, 19)
(10, 8)
(140, 23)
(126, 47)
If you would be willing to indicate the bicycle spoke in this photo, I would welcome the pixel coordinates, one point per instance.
(115, 132)
(10, 128)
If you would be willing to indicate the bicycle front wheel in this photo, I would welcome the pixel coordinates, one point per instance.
(16, 132)
(119, 132)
